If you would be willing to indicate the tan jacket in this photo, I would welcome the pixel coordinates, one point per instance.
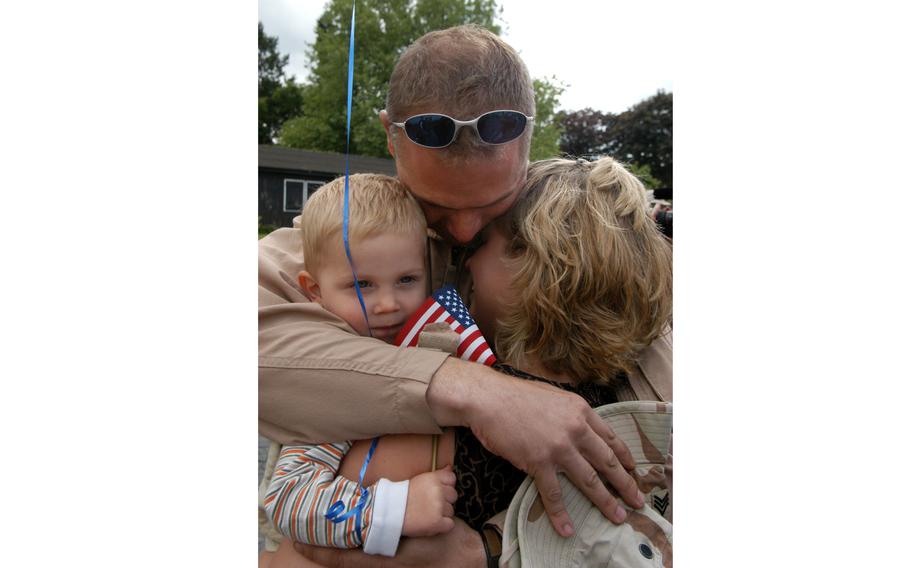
(319, 381)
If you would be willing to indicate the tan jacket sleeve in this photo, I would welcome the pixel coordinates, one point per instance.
(318, 380)
(653, 380)
(655, 363)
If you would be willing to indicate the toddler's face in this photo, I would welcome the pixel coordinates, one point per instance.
(492, 271)
(392, 277)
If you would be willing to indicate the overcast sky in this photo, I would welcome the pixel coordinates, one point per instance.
(610, 55)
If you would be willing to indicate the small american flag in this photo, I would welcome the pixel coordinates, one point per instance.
(446, 306)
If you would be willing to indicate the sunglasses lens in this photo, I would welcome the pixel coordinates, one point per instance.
(430, 130)
(501, 126)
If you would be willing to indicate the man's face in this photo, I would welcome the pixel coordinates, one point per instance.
(459, 201)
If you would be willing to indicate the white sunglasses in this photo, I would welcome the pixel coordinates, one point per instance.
(435, 130)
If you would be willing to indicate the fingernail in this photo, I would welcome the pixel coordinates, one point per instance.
(620, 514)
(641, 499)
(567, 529)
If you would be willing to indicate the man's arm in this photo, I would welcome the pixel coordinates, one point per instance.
(320, 382)
(461, 547)
(541, 430)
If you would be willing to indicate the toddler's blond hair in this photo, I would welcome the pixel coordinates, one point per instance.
(377, 204)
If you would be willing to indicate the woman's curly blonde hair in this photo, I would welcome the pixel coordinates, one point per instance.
(595, 276)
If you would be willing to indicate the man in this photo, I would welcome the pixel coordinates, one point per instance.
(318, 382)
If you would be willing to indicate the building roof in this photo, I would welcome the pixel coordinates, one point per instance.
(281, 158)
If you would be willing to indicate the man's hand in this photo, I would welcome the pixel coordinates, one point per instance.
(461, 547)
(541, 430)
(430, 509)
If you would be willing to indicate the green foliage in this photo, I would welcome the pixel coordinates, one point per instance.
(264, 229)
(384, 29)
(271, 63)
(547, 129)
(432, 15)
(644, 174)
(583, 131)
(642, 135)
(279, 98)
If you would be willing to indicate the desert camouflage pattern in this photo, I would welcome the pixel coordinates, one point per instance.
(647, 428)
(644, 539)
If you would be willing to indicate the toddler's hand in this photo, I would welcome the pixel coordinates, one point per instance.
(430, 503)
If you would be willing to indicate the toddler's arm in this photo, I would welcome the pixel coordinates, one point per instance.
(306, 483)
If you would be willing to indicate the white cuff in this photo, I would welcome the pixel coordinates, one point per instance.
(388, 517)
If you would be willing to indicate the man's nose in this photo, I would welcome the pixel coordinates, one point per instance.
(464, 227)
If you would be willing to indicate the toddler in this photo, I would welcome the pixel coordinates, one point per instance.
(387, 233)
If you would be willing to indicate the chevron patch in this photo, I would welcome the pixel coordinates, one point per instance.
(661, 503)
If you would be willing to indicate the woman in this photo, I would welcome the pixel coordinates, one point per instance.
(571, 284)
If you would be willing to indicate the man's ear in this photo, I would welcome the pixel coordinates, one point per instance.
(309, 286)
(387, 125)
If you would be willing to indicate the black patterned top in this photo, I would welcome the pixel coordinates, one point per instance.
(485, 481)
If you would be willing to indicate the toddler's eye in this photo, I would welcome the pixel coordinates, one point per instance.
(363, 283)
(408, 279)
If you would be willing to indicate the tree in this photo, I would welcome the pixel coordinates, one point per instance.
(642, 136)
(547, 129)
(384, 29)
(583, 131)
(279, 98)
(271, 63)
(432, 15)
(643, 173)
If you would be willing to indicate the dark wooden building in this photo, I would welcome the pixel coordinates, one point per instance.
(288, 176)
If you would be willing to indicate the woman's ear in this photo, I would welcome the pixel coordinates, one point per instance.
(309, 286)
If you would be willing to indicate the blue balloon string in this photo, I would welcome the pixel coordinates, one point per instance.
(335, 514)
(347, 159)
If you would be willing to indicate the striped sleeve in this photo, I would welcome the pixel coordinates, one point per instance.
(305, 484)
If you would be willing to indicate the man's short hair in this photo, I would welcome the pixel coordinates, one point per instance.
(595, 277)
(377, 204)
(463, 72)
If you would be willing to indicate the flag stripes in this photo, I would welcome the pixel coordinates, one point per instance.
(446, 306)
